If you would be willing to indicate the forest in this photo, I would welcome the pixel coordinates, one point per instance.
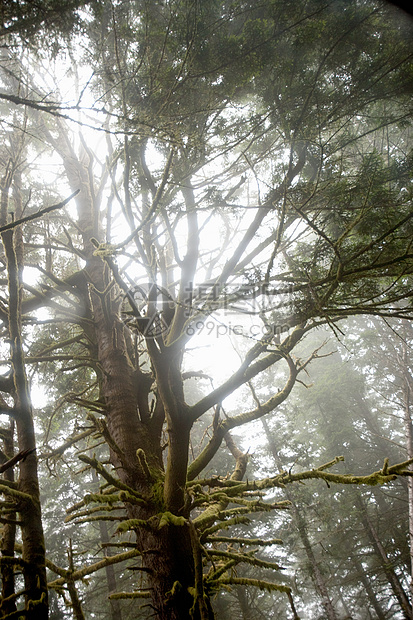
(206, 339)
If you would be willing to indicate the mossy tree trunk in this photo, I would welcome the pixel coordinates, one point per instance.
(27, 488)
(8, 602)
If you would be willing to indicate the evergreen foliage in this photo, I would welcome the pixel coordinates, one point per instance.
(240, 170)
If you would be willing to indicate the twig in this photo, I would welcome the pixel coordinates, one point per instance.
(34, 216)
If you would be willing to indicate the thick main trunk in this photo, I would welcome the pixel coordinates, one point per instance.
(135, 432)
(166, 552)
(171, 571)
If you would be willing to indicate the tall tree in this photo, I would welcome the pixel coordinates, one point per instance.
(23, 495)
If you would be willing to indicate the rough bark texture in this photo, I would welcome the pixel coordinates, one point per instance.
(407, 398)
(8, 605)
(33, 555)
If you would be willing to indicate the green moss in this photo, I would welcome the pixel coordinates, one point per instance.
(144, 464)
(41, 601)
(157, 495)
(104, 249)
(167, 518)
(256, 583)
(126, 595)
(102, 499)
(177, 587)
(133, 524)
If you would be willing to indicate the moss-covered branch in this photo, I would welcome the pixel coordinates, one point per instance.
(126, 595)
(256, 583)
(98, 467)
(91, 519)
(382, 476)
(89, 570)
(252, 542)
(244, 558)
(9, 489)
(215, 513)
(89, 513)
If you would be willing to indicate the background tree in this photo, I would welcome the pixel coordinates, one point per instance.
(31, 18)
(354, 548)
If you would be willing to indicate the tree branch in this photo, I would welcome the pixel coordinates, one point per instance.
(40, 213)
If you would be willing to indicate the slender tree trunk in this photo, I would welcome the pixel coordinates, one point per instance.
(316, 574)
(392, 577)
(247, 612)
(71, 586)
(33, 555)
(29, 510)
(8, 602)
(342, 600)
(369, 590)
(115, 608)
(390, 573)
(75, 601)
(409, 449)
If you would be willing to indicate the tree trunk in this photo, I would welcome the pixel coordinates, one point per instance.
(29, 509)
(408, 430)
(115, 608)
(248, 613)
(392, 577)
(316, 574)
(380, 615)
(8, 605)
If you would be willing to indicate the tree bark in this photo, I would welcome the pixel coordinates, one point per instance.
(29, 508)
(8, 605)
(408, 430)
(167, 555)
